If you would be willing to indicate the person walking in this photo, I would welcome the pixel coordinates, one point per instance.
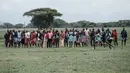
(103, 37)
(109, 38)
(115, 37)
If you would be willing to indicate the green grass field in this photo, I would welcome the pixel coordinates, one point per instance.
(65, 60)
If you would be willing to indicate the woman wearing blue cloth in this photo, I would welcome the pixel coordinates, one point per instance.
(75, 38)
(70, 38)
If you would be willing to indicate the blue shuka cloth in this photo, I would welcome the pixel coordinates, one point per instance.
(75, 38)
(70, 36)
(123, 34)
(15, 36)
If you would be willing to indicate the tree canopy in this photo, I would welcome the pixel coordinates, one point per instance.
(19, 25)
(42, 17)
(59, 23)
(8, 25)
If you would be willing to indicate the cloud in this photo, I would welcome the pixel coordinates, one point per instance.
(7, 5)
(72, 10)
(16, 1)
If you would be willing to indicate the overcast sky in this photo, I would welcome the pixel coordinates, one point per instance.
(72, 10)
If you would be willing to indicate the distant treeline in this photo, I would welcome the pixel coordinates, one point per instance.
(59, 23)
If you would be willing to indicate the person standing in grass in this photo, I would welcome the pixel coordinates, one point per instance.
(49, 42)
(42, 38)
(27, 38)
(15, 38)
(90, 36)
(6, 37)
(33, 38)
(78, 39)
(23, 38)
(38, 36)
(124, 37)
(45, 39)
(98, 39)
(66, 37)
(87, 36)
(70, 40)
(11, 39)
(62, 37)
(19, 38)
(53, 39)
(75, 38)
(115, 37)
(83, 38)
(57, 38)
(93, 38)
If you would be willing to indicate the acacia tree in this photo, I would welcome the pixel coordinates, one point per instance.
(42, 17)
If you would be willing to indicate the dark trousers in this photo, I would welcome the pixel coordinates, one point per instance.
(57, 43)
(66, 42)
(75, 44)
(103, 42)
(19, 43)
(124, 42)
(11, 43)
(23, 42)
(49, 43)
(92, 41)
(70, 44)
(115, 42)
(6, 43)
(109, 43)
(15, 44)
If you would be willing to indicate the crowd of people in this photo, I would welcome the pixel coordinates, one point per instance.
(68, 38)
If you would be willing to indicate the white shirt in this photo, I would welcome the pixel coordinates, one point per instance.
(38, 36)
(87, 32)
(27, 34)
(19, 34)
